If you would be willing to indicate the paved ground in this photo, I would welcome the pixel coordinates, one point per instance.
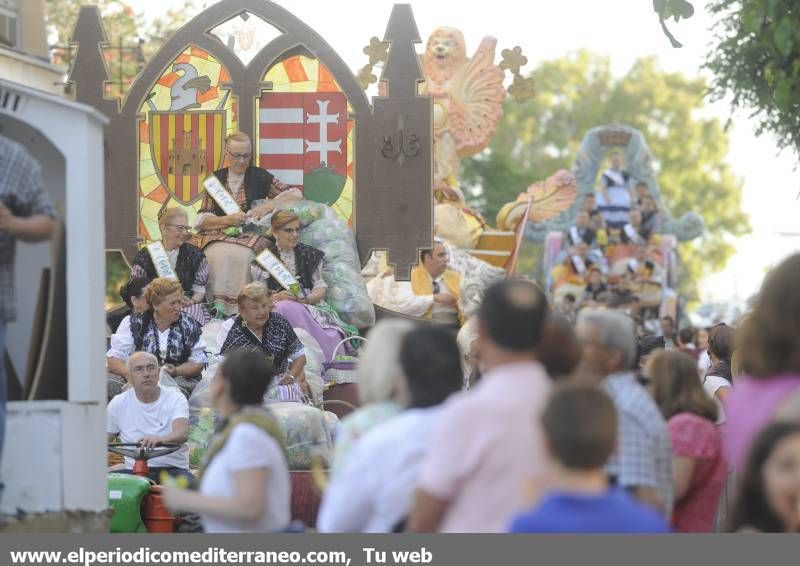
(64, 522)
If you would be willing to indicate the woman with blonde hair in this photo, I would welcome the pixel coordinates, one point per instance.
(308, 310)
(258, 329)
(228, 246)
(699, 468)
(164, 330)
(187, 260)
(381, 386)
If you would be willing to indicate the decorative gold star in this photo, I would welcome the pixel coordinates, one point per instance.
(513, 59)
(377, 50)
(522, 89)
(365, 77)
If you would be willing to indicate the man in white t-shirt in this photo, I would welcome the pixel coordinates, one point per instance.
(149, 414)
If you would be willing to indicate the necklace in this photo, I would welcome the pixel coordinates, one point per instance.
(234, 183)
(162, 349)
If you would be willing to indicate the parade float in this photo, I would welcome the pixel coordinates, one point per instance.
(379, 175)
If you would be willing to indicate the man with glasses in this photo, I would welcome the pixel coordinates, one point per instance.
(228, 248)
(150, 414)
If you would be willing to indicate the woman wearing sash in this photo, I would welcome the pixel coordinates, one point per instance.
(244, 482)
(186, 262)
(309, 310)
(260, 330)
(171, 335)
(252, 193)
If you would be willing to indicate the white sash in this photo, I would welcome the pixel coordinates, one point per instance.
(268, 261)
(222, 197)
(632, 234)
(161, 261)
(617, 177)
(575, 236)
(579, 265)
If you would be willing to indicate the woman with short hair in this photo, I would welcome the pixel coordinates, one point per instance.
(374, 491)
(229, 248)
(381, 386)
(188, 261)
(308, 310)
(258, 329)
(244, 483)
(699, 468)
(164, 330)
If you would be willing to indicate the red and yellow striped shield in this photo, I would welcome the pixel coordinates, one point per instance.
(186, 147)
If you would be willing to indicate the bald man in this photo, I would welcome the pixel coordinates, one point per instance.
(149, 415)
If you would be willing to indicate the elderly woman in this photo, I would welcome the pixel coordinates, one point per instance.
(309, 310)
(244, 485)
(188, 261)
(228, 248)
(258, 329)
(381, 386)
(172, 336)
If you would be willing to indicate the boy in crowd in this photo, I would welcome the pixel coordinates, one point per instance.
(581, 232)
(580, 499)
(651, 218)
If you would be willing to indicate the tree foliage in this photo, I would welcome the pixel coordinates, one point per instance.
(675, 9)
(756, 61)
(141, 37)
(578, 92)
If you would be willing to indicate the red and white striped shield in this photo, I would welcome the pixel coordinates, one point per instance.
(303, 137)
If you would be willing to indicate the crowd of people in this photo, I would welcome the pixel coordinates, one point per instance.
(534, 425)
(530, 418)
(611, 255)
(215, 271)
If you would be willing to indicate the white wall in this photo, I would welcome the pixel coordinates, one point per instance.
(63, 442)
(32, 258)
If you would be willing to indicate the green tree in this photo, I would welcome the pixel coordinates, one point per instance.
(756, 61)
(578, 92)
(141, 37)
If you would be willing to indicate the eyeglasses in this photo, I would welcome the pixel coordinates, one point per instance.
(144, 369)
(436, 287)
(180, 227)
(240, 156)
(290, 230)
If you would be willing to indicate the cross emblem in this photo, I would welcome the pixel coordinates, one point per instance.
(323, 146)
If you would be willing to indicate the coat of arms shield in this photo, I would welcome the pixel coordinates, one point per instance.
(186, 148)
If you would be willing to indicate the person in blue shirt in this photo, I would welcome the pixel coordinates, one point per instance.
(580, 427)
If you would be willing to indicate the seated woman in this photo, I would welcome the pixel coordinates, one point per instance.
(132, 294)
(172, 336)
(188, 261)
(230, 252)
(308, 311)
(245, 485)
(260, 330)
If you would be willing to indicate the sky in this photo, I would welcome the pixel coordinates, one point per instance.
(623, 30)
